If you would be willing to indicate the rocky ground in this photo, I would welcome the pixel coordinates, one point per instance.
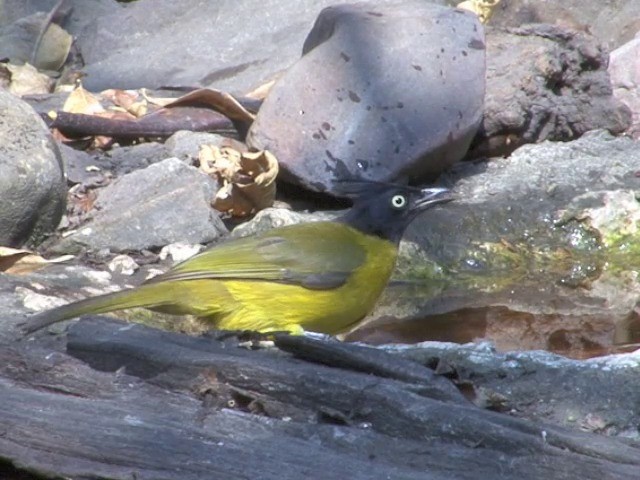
(538, 252)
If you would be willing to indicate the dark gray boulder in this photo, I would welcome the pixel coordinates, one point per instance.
(382, 91)
(32, 184)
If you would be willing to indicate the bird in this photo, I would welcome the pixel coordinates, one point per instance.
(322, 277)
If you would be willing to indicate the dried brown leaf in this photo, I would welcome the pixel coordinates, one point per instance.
(82, 101)
(83, 202)
(130, 101)
(20, 262)
(247, 180)
(58, 136)
(26, 80)
(262, 91)
(221, 102)
(158, 101)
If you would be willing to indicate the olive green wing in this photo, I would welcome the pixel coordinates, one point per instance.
(316, 255)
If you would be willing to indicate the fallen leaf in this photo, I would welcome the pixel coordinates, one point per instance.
(247, 179)
(20, 262)
(158, 101)
(82, 101)
(219, 101)
(262, 91)
(82, 201)
(482, 8)
(130, 101)
(26, 80)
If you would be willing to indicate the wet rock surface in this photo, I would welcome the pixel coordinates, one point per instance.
(548, 262)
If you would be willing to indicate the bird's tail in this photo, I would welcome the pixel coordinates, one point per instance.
(143, 296)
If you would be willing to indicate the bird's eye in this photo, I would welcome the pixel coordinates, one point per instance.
(398, 201)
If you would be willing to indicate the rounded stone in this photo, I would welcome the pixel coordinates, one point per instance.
(32, 183)
(381, 92)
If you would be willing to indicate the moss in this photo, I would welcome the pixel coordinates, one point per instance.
(570, 254)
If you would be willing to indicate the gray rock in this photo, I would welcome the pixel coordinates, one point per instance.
(14, 292)
(79, 166)
(22, 24)
(185, 145)
(82, 167)
(32, 185)
(614, 22)
(57, 284)
(538, 251)
(122, 160)
(45, 103)
(18, 40)
(73, 15)
(278, 217)
(624, 68)
(164, 203)
(381, 91)
(153, 43)
(545, 82)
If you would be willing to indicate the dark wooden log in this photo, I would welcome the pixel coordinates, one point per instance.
(162, 123)
(126, 401)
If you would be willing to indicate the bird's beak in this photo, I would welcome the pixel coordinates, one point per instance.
(433, 196)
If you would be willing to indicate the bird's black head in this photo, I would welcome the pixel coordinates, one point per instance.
(385, 209)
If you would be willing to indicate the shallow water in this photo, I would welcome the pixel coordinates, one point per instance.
(514, 320)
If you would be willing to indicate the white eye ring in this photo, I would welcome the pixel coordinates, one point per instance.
(398, 201)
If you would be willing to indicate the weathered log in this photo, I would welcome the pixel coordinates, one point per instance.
(162, 123)
(169, 406)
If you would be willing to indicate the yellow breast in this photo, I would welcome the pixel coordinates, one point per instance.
(270, 306)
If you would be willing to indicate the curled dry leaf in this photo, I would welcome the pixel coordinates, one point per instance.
(217, 100)
(20, 262)
(247, 179)
(25, 79)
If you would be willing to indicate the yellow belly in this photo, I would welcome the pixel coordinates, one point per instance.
(270, 306)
